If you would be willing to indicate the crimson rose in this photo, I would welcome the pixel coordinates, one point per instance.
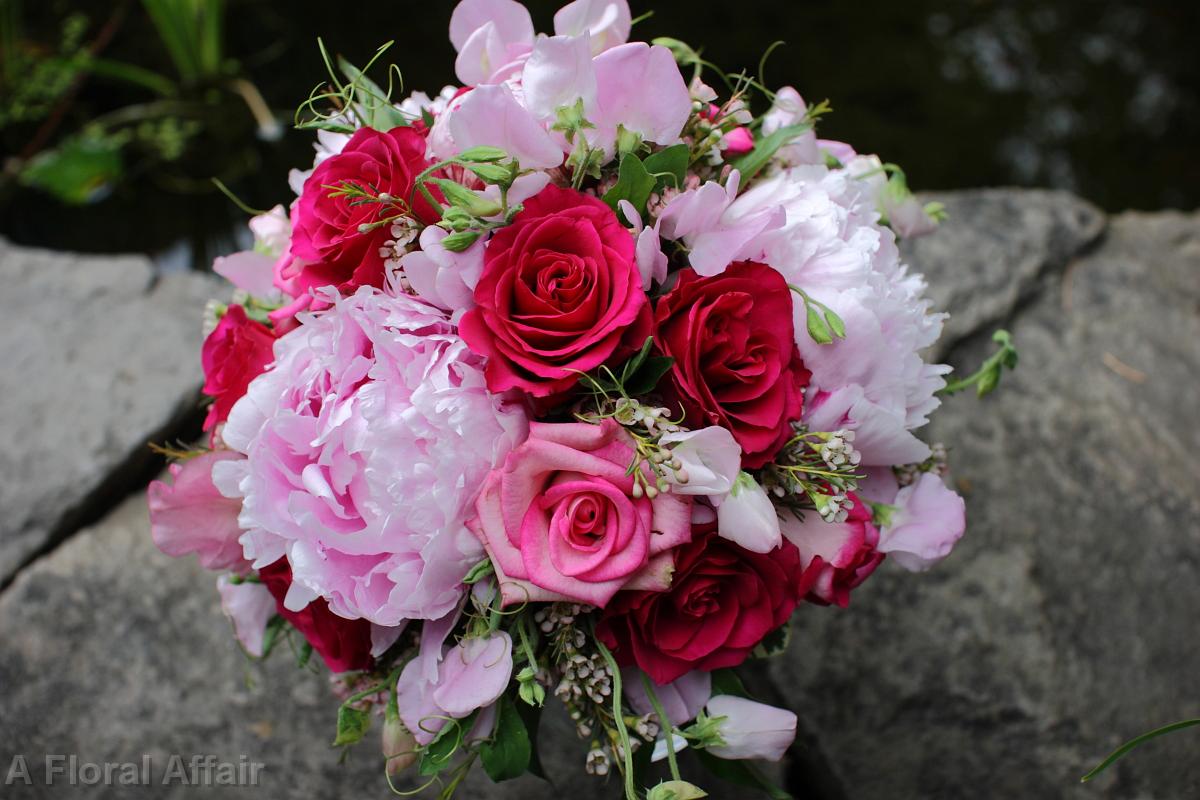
(329, 246)
(723, 601)
(736, 363)
(235, 353)
(345, 644)
(560, 294)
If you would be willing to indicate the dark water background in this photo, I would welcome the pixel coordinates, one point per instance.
(1100, 98)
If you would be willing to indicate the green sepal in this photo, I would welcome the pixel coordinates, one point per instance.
(352, 725)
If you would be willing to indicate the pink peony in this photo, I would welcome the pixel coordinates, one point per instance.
(366, 444)
(561, 523)
(191, 516)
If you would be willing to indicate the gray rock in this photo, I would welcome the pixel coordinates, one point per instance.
(113, 652)
(1064, 623)
(100, 359)
(987, 257)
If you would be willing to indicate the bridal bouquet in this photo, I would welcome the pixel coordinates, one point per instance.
(571, 383)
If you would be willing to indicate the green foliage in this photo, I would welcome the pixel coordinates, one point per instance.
(636, 377)
(81, 170)
(634, 184)
(987, 377)
(508, 753)
(192, 32)
(352, 725)
(753, 162)
(1137, 741)
(439, 753)
(741, 773)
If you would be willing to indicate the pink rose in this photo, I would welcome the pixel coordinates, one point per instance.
(191, 516)
(560, 521)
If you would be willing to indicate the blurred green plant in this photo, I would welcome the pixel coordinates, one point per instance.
(40, 83)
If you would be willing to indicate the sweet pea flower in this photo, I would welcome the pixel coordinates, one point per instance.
(559, 73)
(492, 37)
(491, 115)
(925, 523)
(607, 22)
(837, 556)
(253, 271)
(451, 683)
(681, 699)
(249, 606)
(717, 232)
(789, 108)
(444, 278)
(711, 460)
(651, 260)
(638, 89)
(190, 515)
(749, 729)
(747, 517)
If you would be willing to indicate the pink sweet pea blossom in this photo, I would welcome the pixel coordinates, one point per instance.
(927, 521)
(253, 271)
(249, 606)
(717, 230)
(651, 260)
(191, 516)
(561, 521)
(492, 38)
(750, 729)
(442, 683)
(747, 517)
(837, 556)
(681, 699)
(639, 88)
(789, 109)
(491, 115)
(444, 278)
(711, 460)
(607, 22)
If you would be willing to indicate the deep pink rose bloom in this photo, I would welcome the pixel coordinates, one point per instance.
(235, 353)
(344, 644)
(560, 521)
(837, 556)
(190, 516)
(560, 294)
(723, 600)
(736, 363)
(328, 247)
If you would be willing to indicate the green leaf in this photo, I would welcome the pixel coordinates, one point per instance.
(81, 170)
(726, 681)
(271, 634)
(669, 167)
(507, 754)
(482, 154)
(646, 379)
(439, 753)
(741, 773)
(774, 643)
(1120, 752)
(751, 163)
(532, 717)
(303, 655)
(372, 99)
(352, 725)
(634, 184)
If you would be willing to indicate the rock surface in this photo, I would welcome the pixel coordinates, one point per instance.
(101, 358)
(1059, 628)
(1064, 623)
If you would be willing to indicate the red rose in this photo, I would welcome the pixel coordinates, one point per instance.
(235, 353)
(837, 556)
(723, 601)
(560, 294)
(329, 246)
(345, 644)
(736, 363)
